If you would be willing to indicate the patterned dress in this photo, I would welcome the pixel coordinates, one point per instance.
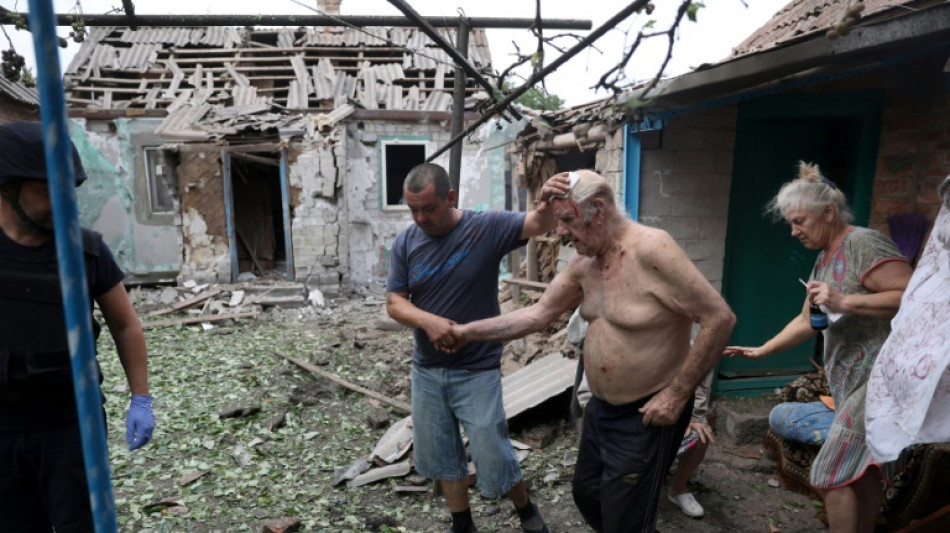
(851, 345)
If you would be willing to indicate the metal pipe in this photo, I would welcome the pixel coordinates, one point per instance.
(538, 76)
(229, 212)
(72, 272)
(597, 133)
(302, 20)
(288, 224)
(458, 109)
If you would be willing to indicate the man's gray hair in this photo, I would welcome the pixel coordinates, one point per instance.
(428, 173)
(589, 189)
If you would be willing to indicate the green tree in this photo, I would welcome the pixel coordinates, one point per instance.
(27, 77)
(539, 99)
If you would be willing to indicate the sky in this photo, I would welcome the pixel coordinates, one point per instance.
(721, 25)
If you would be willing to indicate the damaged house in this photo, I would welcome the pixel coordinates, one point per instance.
(218, 151)
(17, 101)
(711, 147)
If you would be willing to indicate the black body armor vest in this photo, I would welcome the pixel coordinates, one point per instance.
(34, 352)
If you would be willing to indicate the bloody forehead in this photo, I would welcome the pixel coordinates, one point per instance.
(565, 208)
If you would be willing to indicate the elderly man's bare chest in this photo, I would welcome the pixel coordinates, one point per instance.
(623, 294)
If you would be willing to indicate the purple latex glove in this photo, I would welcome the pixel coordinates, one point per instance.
(139, 422)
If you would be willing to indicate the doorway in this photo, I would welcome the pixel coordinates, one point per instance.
(763, 263)
(258, 215)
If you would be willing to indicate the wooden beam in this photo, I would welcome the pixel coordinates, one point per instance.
(197, 319)
(254, 158)
(398, 405)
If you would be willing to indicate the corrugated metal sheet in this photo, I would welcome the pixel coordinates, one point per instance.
(140, 56)
(532, 385)
(19, 92)
(196, 67)
(438, 101)
(286, 38)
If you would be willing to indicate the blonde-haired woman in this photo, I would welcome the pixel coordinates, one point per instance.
(858, 280)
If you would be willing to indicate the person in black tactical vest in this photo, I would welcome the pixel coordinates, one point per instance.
(42, 475)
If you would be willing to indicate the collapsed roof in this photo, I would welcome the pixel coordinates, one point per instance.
(192, 71)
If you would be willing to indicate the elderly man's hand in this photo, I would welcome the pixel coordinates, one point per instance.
(703, 430)
(459, 339)
(663, 409)
(440, 335)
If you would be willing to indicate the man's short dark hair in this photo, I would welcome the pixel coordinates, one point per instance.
(428, 173)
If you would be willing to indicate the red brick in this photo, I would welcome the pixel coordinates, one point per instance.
(892, 187)
(880, 224)
(900, 121)
(899, 142)
(882, 207)
(928, 197)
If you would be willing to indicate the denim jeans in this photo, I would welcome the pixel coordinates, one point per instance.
(806, 422)
(443, 398)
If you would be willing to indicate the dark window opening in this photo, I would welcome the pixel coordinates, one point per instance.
(398, 160)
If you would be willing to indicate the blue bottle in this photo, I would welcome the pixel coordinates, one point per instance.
(819, 320)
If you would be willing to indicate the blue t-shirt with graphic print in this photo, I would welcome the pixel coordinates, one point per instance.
(456, 276)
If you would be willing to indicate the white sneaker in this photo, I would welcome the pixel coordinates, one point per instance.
(687, 503)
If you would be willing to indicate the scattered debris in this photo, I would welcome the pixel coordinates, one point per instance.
(395, 443)
(745, 454)
(376, 474)
(360, 465)
(188, 302)
(276, 420)
(236, 298)
(378, 418)
(162, 505)
(285, 524)
(192, 477)
(246, 407)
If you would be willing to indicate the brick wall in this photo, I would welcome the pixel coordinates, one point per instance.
(914, 150)
(914, 145)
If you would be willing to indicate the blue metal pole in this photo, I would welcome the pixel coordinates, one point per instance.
(631, 171)
(71, 270)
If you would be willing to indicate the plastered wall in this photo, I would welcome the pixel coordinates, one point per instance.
(112, 200)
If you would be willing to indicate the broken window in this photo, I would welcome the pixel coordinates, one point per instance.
(397, 158)
(159, 178)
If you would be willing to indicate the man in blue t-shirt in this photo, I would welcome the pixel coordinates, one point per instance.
(445, 271)
(42, 475)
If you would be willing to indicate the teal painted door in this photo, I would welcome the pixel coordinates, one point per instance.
(763, 261)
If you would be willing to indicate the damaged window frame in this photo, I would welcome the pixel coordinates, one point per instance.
(384, 179)
(161, 193)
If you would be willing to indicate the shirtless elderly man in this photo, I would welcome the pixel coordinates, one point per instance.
(641, 295)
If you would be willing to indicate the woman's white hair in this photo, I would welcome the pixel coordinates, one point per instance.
(809, 191)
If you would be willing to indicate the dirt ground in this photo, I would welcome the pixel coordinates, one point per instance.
(204, 472)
